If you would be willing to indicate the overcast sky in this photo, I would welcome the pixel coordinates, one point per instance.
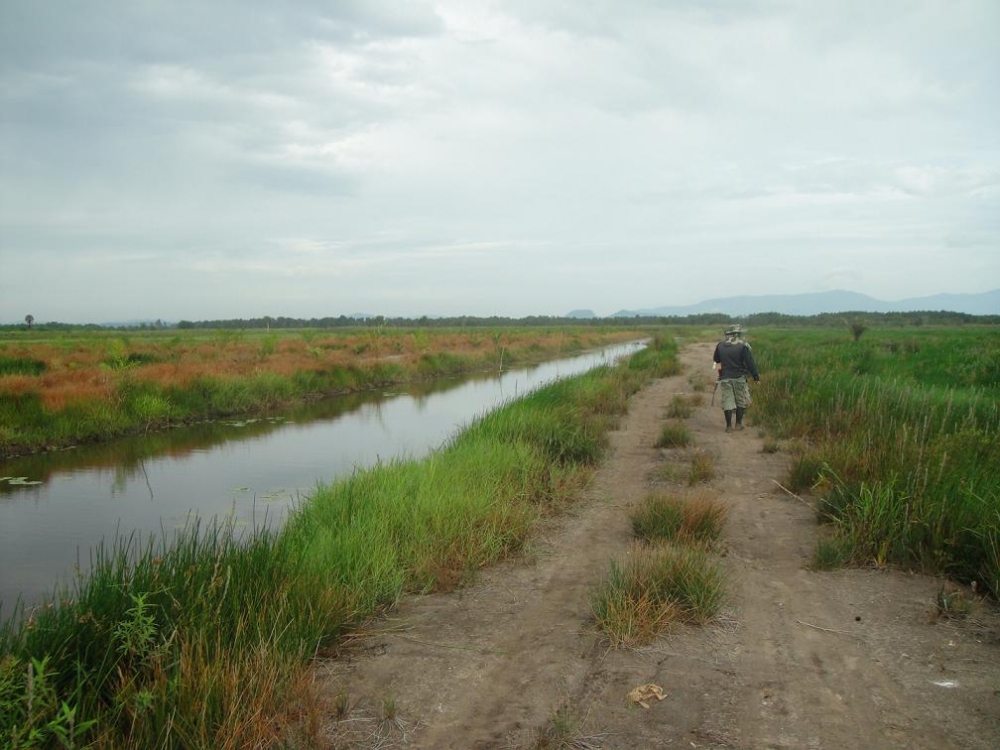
(183, 159)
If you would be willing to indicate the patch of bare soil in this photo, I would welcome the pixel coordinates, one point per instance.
(798, 658)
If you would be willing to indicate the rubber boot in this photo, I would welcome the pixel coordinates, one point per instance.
(729, 420)
(739, 417)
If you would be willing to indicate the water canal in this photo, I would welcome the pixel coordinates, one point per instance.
(56, 508)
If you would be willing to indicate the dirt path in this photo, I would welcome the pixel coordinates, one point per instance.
(798, 659)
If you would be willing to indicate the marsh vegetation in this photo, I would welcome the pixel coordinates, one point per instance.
(895, 433)
(898, 433)
(62, 388)
(206, 641)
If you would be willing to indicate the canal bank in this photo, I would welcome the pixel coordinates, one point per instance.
(205, 643)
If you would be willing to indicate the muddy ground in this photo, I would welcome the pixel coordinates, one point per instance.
(797, 659)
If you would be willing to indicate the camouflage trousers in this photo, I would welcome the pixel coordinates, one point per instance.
(735, 393)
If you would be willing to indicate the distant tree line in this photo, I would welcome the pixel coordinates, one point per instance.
(756, 320)
(462, 321)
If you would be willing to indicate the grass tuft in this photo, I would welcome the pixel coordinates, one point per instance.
(702, 467)
(560, 732)
(805, 471)
(674, 435)
(680, 408)
(668, 472)
(341, 705)
(697, 519)
(831, 554)
(770, 446)
(651, 587)
(953, 603)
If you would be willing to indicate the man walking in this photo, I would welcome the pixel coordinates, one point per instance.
(734, 361)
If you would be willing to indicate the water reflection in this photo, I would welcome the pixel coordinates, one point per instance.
(126, 456)
(55, 508)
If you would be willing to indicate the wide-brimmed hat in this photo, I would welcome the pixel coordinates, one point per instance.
(733, 330)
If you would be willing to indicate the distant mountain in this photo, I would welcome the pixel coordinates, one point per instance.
(987, 303)
(580, 314)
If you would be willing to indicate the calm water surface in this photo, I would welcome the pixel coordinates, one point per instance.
(56, 508)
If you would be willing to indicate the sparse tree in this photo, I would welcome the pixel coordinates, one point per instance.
(29, 319)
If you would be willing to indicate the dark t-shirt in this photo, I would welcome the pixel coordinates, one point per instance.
(736, 359)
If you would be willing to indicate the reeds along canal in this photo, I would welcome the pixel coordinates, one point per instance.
(56, 508)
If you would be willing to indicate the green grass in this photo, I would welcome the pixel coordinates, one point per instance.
(653, 586)
(702, 468)
(561, 732)
(20, 366)
(203, 640)
(831, 553)
(669, 575)
(200, 638)
(902, 435)
(697, 519)
(674, 435)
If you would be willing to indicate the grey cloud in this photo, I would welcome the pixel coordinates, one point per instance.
(285, 178)
(406, 147)
(157, 31)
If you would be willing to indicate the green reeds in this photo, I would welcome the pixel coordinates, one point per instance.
(421, 526)
(176, 644)
(905, 464)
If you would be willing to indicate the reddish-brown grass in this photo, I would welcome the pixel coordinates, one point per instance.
(80, 371)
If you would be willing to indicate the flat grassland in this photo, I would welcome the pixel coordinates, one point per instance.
(58, 389)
